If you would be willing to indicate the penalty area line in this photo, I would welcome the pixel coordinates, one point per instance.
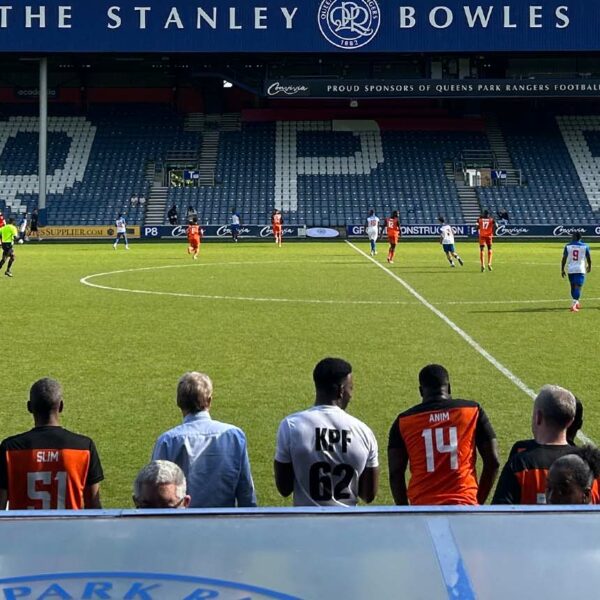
(461, 332)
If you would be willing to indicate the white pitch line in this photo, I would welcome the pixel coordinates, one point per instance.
(86, 281)
(463, 334)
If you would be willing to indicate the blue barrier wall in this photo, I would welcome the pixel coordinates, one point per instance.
(502, 231)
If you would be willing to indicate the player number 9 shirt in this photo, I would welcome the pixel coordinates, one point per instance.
(48, 468)
(440, 439)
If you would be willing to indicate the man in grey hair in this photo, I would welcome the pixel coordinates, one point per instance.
(523, 479)
(160, 484)
(212, 455)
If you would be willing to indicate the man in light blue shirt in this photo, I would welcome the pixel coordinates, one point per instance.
(212, 455)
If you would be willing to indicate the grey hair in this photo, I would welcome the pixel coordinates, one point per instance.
(557, 404)
(160, 472)
(194, 391)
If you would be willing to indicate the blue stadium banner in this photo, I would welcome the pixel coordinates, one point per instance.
(277, 26)
(509, 231)
(430, 88)
(220, 231)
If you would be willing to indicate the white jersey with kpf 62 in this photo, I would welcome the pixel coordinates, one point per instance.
(329, 449)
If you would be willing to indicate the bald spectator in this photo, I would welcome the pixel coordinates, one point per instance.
(212, 455)
(523, 478)
(160, 484)
(571, 478)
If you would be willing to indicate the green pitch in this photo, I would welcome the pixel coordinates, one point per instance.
(257, 318)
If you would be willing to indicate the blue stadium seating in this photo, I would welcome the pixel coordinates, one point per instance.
(411, 177)
(124, 140)
(553, 192)
(322, 175)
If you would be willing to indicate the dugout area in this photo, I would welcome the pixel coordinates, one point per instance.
(383, 553)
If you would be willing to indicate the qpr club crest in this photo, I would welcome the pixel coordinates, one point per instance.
(349, 24)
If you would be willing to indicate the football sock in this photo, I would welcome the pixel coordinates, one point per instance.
(372, 245)
(575, 293)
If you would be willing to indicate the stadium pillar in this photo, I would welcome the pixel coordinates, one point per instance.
(43, 97)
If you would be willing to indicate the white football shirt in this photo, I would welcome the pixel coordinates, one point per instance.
(121, 225)
(447, 233)
(329, 449)
(576, 253)
(373, 221)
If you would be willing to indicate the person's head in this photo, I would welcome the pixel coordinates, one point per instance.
(577, 423)
(371, 212)
(486, 214)
(441, 219)
(333, 381)
(160, 484)
(195, 220)
(233, 211)
(553, 411)
(571, 477)
(434, 381)
(395, 214)
(576, 236)
(45, 400)
(194, 392)
(11, 221)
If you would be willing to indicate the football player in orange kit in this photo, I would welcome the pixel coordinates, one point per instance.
(486, 227)
(276, 224)
(194, 236)
(439, 440)
(392, 229)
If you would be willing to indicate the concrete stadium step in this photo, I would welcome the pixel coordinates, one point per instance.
(156, 205)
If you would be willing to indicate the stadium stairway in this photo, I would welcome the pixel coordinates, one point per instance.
(500, 149)
(469, 201)
(156, 206)
(209, 152)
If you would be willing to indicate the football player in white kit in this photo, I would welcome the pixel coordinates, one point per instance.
(577, 255)
(121, 225)
(373, 230)
(325, 456)
(447, 241)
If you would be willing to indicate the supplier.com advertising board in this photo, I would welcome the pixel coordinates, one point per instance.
(85, 232)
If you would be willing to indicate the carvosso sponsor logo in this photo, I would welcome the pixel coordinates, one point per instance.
(179, 231)
(562, 230)
(505, 230)
(268, 231)
(276, 89)
(349, 24)
(225, 230)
